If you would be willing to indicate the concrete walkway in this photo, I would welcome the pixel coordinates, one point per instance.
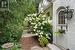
(53, 47)
(49, 47)
(39, 48)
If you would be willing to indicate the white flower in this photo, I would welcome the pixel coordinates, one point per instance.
(38, 31)
(34, 30)
(41, 32)
(46, 34)
(33, 18)
(35, 26)
(30, 18)
(29, 15)
(39, 23)
(37, 18)
(44, 16)
(44, 21)
(41, 27)
(40, 35)
(34, 14)
(49, 21)
(33, 23)
(26, 19)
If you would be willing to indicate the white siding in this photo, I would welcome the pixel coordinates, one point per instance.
(66, 40)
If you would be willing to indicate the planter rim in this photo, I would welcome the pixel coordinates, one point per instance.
(7, 45)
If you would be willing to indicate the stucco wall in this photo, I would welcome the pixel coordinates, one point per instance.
(66, 40)
(43, 4)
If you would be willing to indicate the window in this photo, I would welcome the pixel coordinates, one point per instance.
(61, 17)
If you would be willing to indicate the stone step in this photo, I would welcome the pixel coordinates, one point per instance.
(53, 47)
(39, 48)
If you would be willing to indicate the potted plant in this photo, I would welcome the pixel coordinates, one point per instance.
(43, 41)
(61, 31)
(40, 26)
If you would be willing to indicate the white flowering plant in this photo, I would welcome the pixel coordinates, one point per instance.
(39, 25)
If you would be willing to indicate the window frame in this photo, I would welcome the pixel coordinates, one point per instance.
(64, 19)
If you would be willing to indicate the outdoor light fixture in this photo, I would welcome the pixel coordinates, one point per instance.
(69, 13)
(51, 0)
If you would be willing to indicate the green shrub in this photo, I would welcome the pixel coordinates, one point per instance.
(10, 27)
(11, 23)
(43, 41)
(40, 26)
(16, 47)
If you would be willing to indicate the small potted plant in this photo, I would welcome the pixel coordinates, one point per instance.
(61, 31)
(43, 41)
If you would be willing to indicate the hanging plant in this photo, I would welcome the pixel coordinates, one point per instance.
(61, 31)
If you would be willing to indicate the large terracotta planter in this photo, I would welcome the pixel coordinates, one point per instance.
(28, 41)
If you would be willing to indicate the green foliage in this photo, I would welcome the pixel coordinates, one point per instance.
(10, 30)
(21, 8)
(5, 17)
(43, 41)
(11, 22)
(61, 31)
(15, 47)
